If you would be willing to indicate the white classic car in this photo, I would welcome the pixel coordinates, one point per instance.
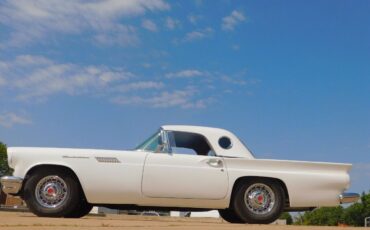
(186, 168)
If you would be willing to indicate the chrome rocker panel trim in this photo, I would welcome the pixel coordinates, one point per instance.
(348, 197)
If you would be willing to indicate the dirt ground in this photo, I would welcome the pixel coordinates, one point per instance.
(27, 221)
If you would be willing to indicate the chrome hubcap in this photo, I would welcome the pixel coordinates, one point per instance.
(259, 198)
(51, 191)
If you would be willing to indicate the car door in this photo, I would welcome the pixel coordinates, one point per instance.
(184, 176)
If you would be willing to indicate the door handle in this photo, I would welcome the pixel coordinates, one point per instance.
(217, 163)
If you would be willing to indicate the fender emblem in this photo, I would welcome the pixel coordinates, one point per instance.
(107, 159)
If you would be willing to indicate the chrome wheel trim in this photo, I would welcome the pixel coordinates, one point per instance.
(259, 199)
(51, 192)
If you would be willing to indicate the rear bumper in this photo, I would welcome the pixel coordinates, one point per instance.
(348, 197)
(11, 184)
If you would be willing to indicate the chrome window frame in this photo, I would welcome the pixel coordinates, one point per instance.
(208, 142)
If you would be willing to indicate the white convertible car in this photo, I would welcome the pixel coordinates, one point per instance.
(178, 168)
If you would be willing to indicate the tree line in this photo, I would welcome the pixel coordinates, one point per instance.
(353, 215)
(4, 167)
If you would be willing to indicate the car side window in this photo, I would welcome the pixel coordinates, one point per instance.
(189, 143)
(225, 143)
(179, 150)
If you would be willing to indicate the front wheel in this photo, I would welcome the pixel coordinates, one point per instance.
(259, 201)
(51, 193)
(81, 210)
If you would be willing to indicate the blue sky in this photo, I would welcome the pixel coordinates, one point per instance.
(291, 78)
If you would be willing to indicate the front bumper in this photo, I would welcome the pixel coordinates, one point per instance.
(348, 197)
(11, 184)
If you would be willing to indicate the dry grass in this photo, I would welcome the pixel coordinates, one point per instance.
(27, 221)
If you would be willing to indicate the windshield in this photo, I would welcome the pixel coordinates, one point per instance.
(151, 144)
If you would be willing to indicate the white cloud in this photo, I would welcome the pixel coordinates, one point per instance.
(10, 119)
(121, 35)
(229, 22)
(188, 73)
(198, 34)
(36, 77)
(233, 80)
(30, 79)
(209, 77)
(177, 98)
(30, 60)
(172, 23)
(141, 85)
(198, 104)
(34, 20)
(149, 25)
(193, 19)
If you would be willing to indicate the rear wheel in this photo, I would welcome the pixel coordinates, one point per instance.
(259, 201)
(230, 216)
(51, 192)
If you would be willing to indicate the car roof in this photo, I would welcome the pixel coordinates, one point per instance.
(213, 135)
(192, 128)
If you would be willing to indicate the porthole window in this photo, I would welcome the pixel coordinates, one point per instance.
(225, 142)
